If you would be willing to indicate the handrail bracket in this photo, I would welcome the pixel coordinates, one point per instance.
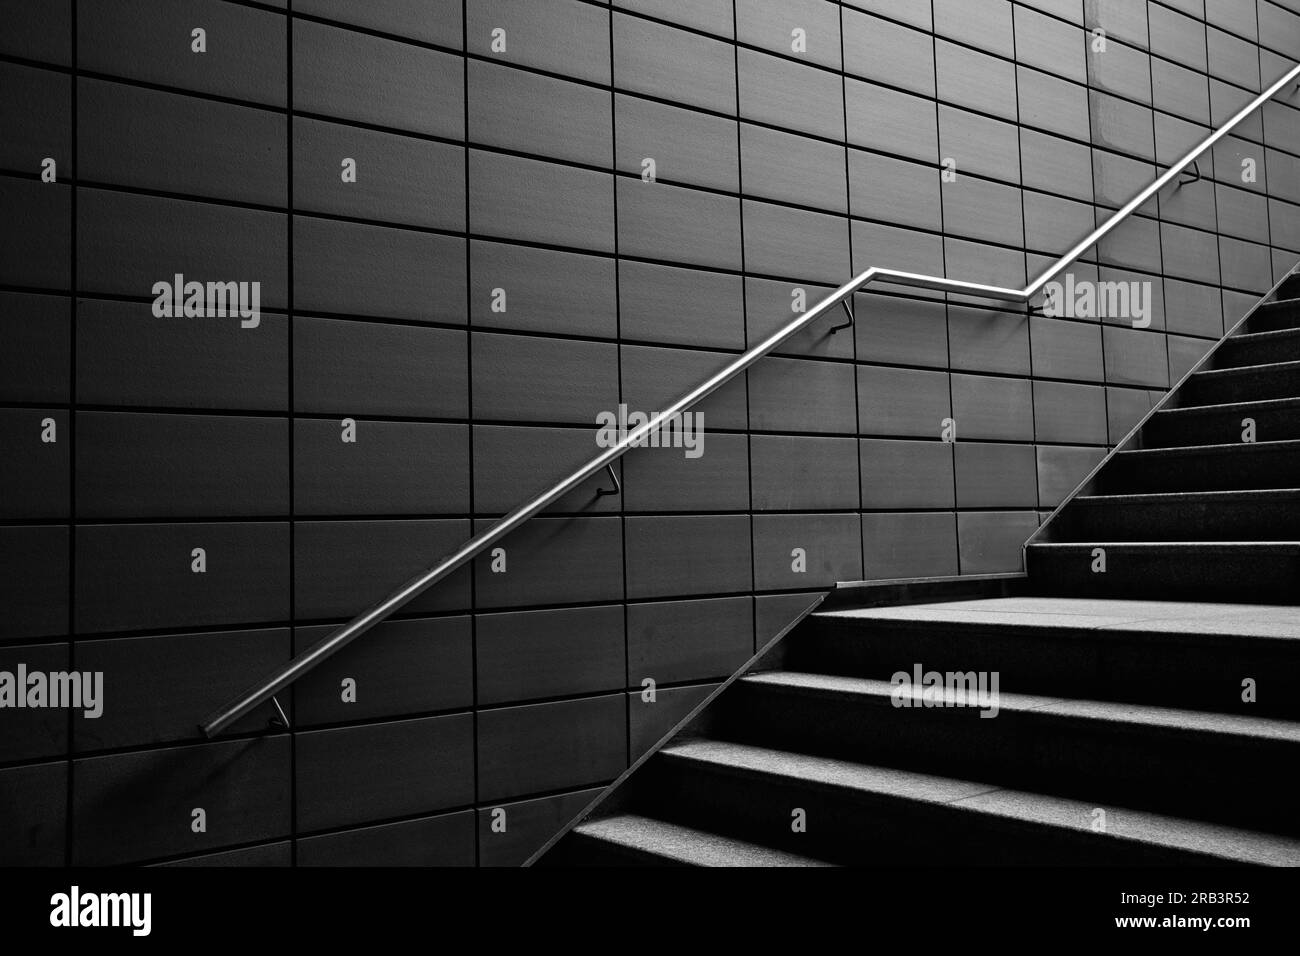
(281, 719)
(613, 476)
(1195, 173)
(848, 310)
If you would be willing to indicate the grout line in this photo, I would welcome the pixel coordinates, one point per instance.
(1265, 194)
(1029, 315)
(618, 333)
(291, 692)
(71, 427)
(469, 414)
(744, 285)
(1092, 172)
(947, 313)
(852, 300)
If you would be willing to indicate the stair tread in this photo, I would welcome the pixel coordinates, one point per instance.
(1279, 311)
(684, 844)
(1271, 335)
(1263, 404)
(1224, 448)
(1034, 613)
(1111, 712)
(1184, 497)
(1230, 843)
(1244, 370)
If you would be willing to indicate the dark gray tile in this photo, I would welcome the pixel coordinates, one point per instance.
(424, 371)
(358, 269)
(151, 40)
(418, 89)
(430, 21)
(660, 564)
(144, 576)
(399, 668)
(398, 179)
(517, 198)
(560, 36)
(137, 465)
(35, 347)
(518, 110)
(544, 380)
(34, 582)
(342, 567)
(393, 468)
(674, 65)
(525, 655)
(354, 774)
(126, 243)
(542, 747)
(540, 290)
(244, 786)
(552, 560)
(129, 136)
(36, 114)
(36, 479)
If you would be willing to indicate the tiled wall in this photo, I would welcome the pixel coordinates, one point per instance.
(481, 169)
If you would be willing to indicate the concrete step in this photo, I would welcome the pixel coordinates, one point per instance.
(1270, 515)
(1259, 348)
(1132, 755)
(1241, 571)
(1275, 420)
(1288, 288)
(1231, 467)
(1180, 655)
(1283, 313)
(630, 839)
(1251, 383)
(863, 814)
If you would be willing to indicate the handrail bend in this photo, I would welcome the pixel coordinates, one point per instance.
(266, 688)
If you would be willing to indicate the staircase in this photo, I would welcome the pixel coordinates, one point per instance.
(1196, 512)
(1156, 600)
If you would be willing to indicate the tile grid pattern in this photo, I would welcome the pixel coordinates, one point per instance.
(521, 170)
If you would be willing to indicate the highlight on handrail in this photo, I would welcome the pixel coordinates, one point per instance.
(339, 638)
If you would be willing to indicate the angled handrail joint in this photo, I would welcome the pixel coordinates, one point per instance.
(335, 641)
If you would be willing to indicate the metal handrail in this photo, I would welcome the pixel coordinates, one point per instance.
(285, 675)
